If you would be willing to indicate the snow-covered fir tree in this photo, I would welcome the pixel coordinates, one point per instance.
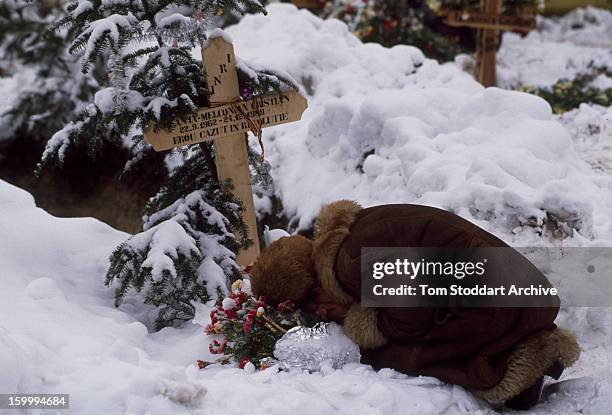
(185, 251)
(192, 228)
(59, 90)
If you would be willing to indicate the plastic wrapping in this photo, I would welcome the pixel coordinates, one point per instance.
(307, 348)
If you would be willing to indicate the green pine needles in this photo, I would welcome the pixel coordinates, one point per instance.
(145, 48)
(185, 253)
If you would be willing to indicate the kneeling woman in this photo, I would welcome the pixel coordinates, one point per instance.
(501, 354)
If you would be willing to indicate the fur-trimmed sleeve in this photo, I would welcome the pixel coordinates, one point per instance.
(529, 360)
(360, 325)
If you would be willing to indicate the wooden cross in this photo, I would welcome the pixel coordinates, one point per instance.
(226, 124)
(489, 23)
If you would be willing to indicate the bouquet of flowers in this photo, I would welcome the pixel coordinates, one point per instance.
(245, 329)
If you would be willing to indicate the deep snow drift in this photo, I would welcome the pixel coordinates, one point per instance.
(383, 125)
(387, 125)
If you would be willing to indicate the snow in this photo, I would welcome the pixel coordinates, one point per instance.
(173, 19)
(228, 304)
(158, 103)
(59, 332)
(60, 141)
(271, 235)
(560, 48)
(167, 240)
(590, 127)
(109, 29)
(108, 99)
(389, 126)
(82, 7)
(383, 125)
(219, 33)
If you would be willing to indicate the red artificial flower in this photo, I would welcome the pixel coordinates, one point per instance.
(247, 326)
(239, 296)
(243, 362)
(231, 314)
(214, 314)
(202, 364)
(216, 347)
(286, 306)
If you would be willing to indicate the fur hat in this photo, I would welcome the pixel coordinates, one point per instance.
(285, 271)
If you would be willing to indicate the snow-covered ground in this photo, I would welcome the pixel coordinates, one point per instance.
(59, 333)
(383, 125)
(560, 48)
(591, 129)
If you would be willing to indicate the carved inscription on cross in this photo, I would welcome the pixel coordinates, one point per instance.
(226, 123)
(489, 23)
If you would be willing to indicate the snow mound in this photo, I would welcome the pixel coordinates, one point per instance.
(59, 331)
(389, 126)
(560, 48)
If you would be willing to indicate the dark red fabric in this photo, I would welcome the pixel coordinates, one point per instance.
(464, 346)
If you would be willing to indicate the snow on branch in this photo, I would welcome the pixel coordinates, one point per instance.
(108, 33)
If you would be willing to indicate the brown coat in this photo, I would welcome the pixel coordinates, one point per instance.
(496, 352)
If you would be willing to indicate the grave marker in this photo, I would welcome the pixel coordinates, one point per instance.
(225, 122)
(489, 22)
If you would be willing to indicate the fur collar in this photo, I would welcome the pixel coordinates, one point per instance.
(331, 228)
